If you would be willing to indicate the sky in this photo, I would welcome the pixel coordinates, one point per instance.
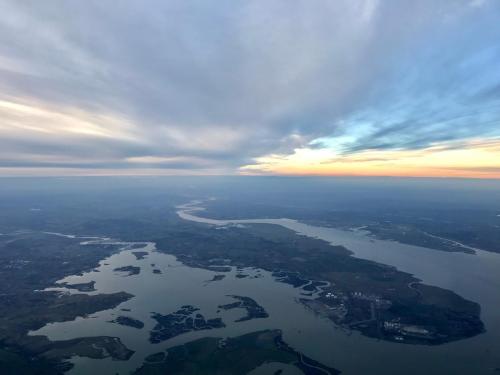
(345, 87)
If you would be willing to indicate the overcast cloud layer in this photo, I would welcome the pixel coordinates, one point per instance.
(212, 85)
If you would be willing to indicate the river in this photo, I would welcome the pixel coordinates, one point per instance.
(474, 276)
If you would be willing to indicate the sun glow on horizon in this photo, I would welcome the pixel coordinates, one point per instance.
(476, 158)
(362, 87)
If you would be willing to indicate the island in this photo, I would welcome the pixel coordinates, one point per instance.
(128, 270)
(235, 356)
(31, 262)
(181, 321)
(128, 321)
(140, 254)
(218, 277)
(253, 309)
(215, 278)
(375, 299)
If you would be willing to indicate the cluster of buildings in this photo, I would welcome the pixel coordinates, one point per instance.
(331, 295)
(338, 309)
(379, 302)
(407, 330)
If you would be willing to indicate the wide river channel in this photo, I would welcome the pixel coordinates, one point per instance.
(473, 276)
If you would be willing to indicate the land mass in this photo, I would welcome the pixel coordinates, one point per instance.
(81, 287)
(375, 299)
(440, 228)
(231, 356)
(184, 320)
(129, 322)
(128, 270)
(140, 254)
(29, 263)
(253, 309)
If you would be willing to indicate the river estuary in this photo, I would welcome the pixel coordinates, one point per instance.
(473, 276)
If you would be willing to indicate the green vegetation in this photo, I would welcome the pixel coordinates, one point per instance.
(181, 321)
(30, 262)
(129, 322)
(17, 361)
(232, 356)
(128, 270)
(364, 295)
(253, 309)
(435, 226)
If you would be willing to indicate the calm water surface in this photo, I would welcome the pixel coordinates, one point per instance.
(476, 277)
(473, 276)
